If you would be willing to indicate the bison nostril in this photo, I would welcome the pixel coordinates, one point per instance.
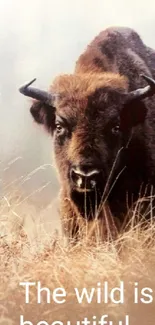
(76, 178)
(83, 180)
(93, 183)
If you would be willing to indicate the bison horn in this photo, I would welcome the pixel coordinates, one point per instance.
(35, 93)
(142, 93)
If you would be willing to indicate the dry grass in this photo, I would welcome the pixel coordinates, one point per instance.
(33, 251)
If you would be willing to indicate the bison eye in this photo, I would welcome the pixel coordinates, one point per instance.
(115, 130)
(59, 129)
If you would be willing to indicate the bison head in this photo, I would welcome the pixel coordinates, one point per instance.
(90, 118)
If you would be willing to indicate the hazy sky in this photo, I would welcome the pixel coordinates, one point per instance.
(42, 38)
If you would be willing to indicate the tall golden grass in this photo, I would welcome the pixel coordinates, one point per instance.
(31, 250)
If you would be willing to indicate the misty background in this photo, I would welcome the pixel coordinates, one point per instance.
(43, 38)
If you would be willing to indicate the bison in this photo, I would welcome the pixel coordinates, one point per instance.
(102, 120)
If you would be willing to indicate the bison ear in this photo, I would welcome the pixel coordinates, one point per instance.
(43, 114)
(132, 114)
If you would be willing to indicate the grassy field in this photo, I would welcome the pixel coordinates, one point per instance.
(31, 250)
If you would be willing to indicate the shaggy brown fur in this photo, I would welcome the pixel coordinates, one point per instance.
(95, 129)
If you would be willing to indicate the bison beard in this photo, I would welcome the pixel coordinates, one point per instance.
(109, 101)
(87, 203)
